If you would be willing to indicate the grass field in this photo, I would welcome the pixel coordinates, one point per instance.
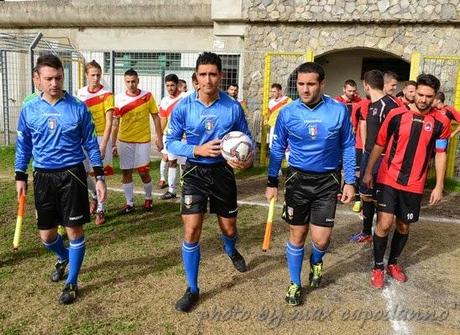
(132, 276)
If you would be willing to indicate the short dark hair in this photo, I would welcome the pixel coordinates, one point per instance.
(182, 81)
(277, 86)
(131, 72)
(310, 67)
(49, 60)
(172, 77)
(441, 96)
(350, 82)
(206, 58)
(233, 84)
(374, 78)
(428, 80)
(388, 75)
(93, 64)
(409, 83)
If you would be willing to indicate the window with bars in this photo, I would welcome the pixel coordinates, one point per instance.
(157, 63)
(145, 63)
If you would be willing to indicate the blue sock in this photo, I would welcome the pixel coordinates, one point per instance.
(191, 257)
(229, 244)
(58, 248)
(316, 254)
(76, 254)
(294, 260)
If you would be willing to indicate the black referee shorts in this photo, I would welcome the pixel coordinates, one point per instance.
(214, 182)
(310, 197)
(404, 205)
(61, 197)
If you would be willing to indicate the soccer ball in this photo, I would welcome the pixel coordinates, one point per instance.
(236, 146)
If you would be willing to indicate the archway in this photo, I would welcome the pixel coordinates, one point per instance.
(351, 63)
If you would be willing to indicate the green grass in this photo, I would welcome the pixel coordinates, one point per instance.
(129, 262)
(450, 184)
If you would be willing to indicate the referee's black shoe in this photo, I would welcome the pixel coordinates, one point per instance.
(187, 301)
(238, 262)
(69, 294)
(59, 270)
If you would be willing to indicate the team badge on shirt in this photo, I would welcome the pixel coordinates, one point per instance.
(428, 126)
(313, 130)
(52, 124)
(209, 123)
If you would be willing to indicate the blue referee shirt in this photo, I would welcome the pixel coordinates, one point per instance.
(319, 139)
(201, 124)
(55, 134)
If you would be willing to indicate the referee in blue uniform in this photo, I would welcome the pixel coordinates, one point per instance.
(53, 128)
(318, 131)
(204, 118)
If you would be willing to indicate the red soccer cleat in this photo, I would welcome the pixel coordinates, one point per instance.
(396, 272)
(148, 204)
(378, 278)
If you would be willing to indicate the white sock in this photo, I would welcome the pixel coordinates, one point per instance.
(129, 193)
(163, 167)
(172, 180)
(148, 190)
(91, 186)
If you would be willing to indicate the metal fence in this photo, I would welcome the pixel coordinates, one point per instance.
(18, 53)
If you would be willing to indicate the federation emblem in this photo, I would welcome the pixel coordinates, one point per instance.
(313, 130)
(428, 126)
(209, 124)
(188, 201)
(52, 123)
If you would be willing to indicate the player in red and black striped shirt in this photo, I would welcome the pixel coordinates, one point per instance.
(350, 94)
(409, 136)
(447, 111)
(381, 104)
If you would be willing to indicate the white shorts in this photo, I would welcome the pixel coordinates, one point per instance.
(107, 161)
(133, 155)
(180, 159)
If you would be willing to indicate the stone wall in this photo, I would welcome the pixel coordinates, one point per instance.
(352, 11)
(399, 40)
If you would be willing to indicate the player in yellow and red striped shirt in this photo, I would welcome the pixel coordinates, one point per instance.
(131, 127)
(169, 161)
(99, 101)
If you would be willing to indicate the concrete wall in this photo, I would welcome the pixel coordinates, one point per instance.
(105, 13)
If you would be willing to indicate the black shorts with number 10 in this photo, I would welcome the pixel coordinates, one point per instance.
(310, 197)
(214, 182)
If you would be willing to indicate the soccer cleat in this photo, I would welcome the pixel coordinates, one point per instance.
(378, 278)
(69, 294)
(100, 218)
(92, 206)
(238, 262)
(127, 209)
(168, 195)
(396, 272)
(59, 269)
(148, 204)
(187, 301)
(361, 237)
(162, 184)
(316, 273)
(356, 207)
(293, 295)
